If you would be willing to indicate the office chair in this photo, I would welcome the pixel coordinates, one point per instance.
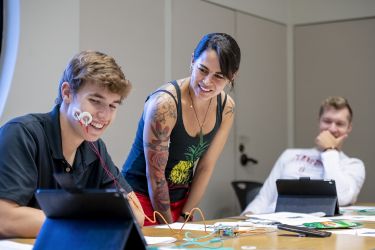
(246, 191)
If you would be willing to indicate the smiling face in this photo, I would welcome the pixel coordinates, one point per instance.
(336, 121)
(98, 101)
(207, 80)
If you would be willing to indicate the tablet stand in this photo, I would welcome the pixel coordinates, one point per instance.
(307, 204)
(90, 234)
(307, 196)
(87, 219)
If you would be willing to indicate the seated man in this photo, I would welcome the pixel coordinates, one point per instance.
(325, 161)
(65, 141)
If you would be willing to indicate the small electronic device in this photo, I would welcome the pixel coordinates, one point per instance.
(305, 231)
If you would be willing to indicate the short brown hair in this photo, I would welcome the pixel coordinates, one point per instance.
(97, 68)
(336, 102)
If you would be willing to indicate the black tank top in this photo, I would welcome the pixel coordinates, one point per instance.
(184, 153)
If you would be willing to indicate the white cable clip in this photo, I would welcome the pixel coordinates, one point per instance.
(85, 118)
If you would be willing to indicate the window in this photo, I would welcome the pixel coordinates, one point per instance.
(10, 22)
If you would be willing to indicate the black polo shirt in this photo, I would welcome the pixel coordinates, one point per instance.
(31, 151)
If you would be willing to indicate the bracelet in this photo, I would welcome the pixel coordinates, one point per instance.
(330, 148)
(185, 215)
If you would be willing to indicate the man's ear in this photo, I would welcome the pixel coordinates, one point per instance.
(66, 93)
(350, 128)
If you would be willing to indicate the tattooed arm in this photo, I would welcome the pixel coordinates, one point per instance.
(207, 163)
(160, 117)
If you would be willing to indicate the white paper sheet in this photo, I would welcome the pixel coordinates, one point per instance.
(285, 218)
(353, 217)
(188, 226)
(159, 240)
(356, 208)
(11, 245)
(359, 232)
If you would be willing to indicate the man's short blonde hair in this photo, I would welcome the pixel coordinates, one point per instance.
(338, 103)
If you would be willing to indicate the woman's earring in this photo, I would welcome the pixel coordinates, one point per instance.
(229, 86)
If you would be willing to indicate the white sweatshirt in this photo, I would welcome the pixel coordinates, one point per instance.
(348, 173)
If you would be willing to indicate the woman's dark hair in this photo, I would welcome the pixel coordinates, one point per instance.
(226, 48)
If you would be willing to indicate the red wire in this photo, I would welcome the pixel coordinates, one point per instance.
(118, 185)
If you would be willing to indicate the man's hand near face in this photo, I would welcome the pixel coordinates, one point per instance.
(325, 140)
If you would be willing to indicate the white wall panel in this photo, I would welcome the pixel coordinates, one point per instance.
(261, 94)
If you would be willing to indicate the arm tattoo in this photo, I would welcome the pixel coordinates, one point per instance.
(157, 145)
(230, 109)
(164, 108)
(162, 197)
(157, 161)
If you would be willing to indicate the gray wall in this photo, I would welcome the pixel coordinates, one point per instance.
(338, 59)
(261, 95)
(133, 33)
(153, 41)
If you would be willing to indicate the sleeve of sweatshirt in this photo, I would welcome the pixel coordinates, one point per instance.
(265, 201)
(348, 173)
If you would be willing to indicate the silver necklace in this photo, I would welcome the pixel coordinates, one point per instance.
(196, 116)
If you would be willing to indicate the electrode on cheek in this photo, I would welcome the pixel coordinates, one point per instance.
(85, 118)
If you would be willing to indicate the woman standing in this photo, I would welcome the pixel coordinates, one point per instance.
(183, 130)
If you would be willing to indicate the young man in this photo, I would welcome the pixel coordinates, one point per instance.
(65, 141)
(325, 161)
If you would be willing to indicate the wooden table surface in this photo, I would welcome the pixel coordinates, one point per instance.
(278, 239)
(275, 239)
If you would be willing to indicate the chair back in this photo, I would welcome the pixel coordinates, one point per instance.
(246, 191)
